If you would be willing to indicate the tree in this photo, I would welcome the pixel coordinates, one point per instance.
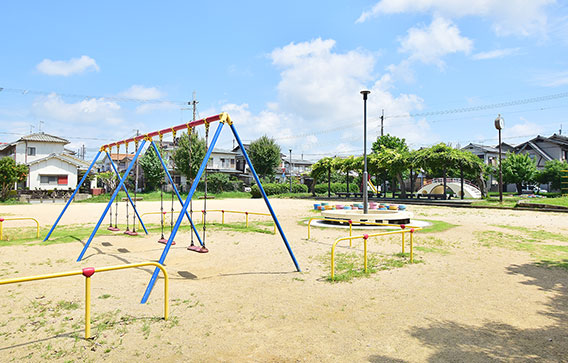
(552, 173)
(109, 179)
(389, 142)
(10, 174)
(392, 156)
(264, 154)
(153, 171)
(189, 148)
(519, 169)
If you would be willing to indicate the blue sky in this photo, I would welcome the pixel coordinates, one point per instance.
(95, 72)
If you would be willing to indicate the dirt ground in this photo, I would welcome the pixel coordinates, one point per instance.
(465, 300)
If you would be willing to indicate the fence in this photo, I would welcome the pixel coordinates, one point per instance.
(17, 219)
(88, 272)
(223, 211)
(365, 237)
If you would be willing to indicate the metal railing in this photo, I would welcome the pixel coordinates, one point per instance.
(88, 272)
(365, 237)
(2, 220)
(223, 211)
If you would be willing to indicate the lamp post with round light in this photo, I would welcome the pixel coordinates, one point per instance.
(499, 124)
(365, 93)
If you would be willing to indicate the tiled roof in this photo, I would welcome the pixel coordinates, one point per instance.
(42, 137)
(64, 157)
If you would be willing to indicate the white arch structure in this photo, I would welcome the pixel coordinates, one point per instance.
(436, 186)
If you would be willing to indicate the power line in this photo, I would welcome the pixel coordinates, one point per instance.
(89, 97)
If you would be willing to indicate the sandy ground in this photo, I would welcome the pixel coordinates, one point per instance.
(244, 301)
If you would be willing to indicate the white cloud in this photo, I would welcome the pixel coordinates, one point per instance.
(85, 111)
(524, 129)
(139, 92)
(319, 105)
(430, 44)
(497, 53)
(317, 83)
(510, 17)
(67, 68)
(554, 79)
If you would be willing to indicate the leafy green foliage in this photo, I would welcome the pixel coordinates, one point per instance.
(519, 169)
(219, 183)
(389, 142)
(153, 171)
(109, 179)
(264, 153)
(276, 188)
(190, 148)
(10, 173)
(321, 189)
(552, 173)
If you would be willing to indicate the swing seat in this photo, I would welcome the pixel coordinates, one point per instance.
(131, 233)
(114, 229)
(165, 241)
(198, 249)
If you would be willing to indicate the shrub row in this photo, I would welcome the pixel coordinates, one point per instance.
(277, 188)
(336, 187)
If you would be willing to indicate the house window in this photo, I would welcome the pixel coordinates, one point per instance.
(31, 151)
(232, 162)
(54, 179)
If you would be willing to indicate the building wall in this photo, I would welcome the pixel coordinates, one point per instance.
(42, 149)
(52, 167)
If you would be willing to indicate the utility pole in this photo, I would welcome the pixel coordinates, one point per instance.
(382, 122)
(194, 103)
(365, 93)
(290, 166)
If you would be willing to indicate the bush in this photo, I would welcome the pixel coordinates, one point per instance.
(336, 187)
(219, 182)
(277, 188)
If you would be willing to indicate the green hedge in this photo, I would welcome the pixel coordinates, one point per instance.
(277, 188)
(219, 182)
(336, 187)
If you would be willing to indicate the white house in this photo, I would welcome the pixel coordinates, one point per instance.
(51, 165)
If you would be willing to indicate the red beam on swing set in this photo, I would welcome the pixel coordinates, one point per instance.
(165, 131)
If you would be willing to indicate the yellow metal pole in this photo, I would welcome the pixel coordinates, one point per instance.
(166, 293)
(365, 238)
(2, 228)
(87, 307)
(411, 245)
(222, 217)
(402, 241)
(350, 233)
(246, 213)
(274, 228)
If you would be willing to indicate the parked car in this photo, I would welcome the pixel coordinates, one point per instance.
(530, 189)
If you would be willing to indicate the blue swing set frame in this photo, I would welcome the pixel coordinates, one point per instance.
(223, 119)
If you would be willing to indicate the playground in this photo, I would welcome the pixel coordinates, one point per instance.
(485, 284)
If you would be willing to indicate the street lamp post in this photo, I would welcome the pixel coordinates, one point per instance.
(290, 166)
(499, 124)
(365, 93)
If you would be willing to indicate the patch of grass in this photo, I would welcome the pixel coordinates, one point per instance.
(254, 227)
(437, 226)
(548, 254)
(67, 305)
(104, 296)
(560, 201)
(536, 234)
(432, 250)
(350, 265)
